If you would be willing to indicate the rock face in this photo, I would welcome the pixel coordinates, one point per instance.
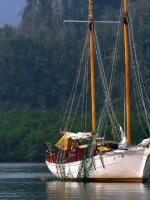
(43, 14)
(43, 11)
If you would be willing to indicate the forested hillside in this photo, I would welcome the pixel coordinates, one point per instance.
(38, 61)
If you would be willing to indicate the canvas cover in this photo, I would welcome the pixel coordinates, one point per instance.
(68, 139)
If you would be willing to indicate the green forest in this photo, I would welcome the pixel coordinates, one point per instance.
(38, 62)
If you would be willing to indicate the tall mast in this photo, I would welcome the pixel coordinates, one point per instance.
(91, 31)
(127, 72)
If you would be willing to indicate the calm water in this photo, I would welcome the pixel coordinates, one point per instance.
(23, 181)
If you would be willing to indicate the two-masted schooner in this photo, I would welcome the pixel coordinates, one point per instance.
(86, 156)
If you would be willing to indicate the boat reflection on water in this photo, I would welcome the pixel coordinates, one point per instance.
(80, 190)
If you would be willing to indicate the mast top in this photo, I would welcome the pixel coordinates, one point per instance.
(125, 6)
(91, 17)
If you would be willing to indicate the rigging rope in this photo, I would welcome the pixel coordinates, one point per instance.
(85, 91)
(139, 84)
(69, 109)
(108, 103)
(82, 88)
(107, 89)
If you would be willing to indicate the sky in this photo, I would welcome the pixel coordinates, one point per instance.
(10, 11)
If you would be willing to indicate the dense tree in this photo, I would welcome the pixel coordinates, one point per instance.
(38, 62)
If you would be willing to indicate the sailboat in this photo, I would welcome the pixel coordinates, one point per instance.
(87, 155)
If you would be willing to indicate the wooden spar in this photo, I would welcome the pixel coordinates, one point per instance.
(127, 72)
(91, 31)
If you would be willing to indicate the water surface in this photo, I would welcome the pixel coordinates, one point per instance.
(23, 181)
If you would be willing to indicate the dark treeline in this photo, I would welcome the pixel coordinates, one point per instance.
(38, 61)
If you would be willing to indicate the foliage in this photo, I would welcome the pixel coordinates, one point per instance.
(23, 134)
(38, 62)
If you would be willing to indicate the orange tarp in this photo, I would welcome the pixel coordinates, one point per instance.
(64, 143)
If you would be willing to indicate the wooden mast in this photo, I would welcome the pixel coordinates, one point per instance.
(127, 72)
(91, 31)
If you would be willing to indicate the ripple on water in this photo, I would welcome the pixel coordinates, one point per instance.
(23, 182)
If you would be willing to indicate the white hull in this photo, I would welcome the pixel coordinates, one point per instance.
(120, 165)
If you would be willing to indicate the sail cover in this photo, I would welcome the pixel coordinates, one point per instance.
(123, 143)
(80, 135)
(68, 139)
